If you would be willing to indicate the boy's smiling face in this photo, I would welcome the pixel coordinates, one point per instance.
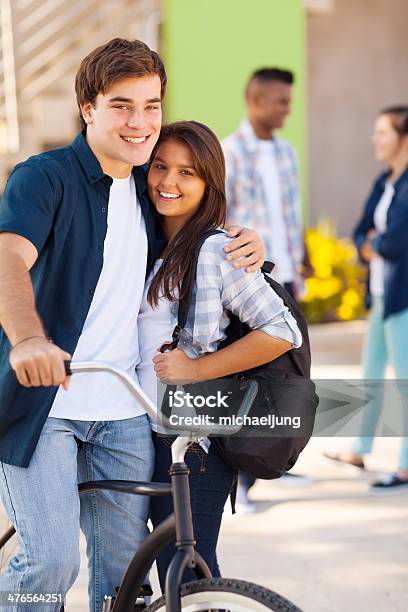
(124, 123)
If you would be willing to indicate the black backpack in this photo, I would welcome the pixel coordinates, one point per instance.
(284, 387)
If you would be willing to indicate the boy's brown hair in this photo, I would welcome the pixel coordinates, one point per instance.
(117, 59)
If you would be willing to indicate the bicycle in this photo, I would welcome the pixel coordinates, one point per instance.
(204, 594)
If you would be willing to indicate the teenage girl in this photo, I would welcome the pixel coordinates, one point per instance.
(186, 184)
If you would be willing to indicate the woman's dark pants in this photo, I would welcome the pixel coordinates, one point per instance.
(210, 483)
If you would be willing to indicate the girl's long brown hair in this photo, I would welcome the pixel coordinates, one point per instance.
(176, 274)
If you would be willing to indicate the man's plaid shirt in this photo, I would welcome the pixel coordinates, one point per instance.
(246, 199)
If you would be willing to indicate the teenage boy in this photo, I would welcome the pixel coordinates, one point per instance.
(77, 238)
(262, 177)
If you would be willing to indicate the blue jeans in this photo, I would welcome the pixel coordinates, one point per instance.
(386, 341)
(210, 483)
(42, 502)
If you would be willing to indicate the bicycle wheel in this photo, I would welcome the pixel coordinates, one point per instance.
(228, 595)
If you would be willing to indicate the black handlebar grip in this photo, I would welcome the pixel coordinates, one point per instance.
(68, 370)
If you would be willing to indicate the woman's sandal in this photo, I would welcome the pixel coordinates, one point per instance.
(358, 463)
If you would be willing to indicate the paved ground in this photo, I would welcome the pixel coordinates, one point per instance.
(328, 545)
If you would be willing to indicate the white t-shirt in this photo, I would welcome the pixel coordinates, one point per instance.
(380, 222)
(110, 332)
(268, 170)
(156, 326)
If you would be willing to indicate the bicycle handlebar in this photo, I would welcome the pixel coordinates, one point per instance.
(72, 367)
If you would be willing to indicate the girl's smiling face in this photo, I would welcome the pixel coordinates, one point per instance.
(174, 186)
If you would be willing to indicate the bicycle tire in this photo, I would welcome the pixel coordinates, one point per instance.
(226, 594)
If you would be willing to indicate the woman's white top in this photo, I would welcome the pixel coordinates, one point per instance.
(380, 223)
(155, 328)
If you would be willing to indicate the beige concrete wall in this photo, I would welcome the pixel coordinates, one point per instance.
(357, 63)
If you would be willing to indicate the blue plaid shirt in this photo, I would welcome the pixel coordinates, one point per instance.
(246, 198)
(221, 289)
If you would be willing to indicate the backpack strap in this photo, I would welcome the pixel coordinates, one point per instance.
(267, 267)
(184, 304)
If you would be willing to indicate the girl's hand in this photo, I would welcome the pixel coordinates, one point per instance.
(248, 246)
(175, 367)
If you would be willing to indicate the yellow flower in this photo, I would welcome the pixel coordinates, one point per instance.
(344, 312)
(336, 291)
(351, 298)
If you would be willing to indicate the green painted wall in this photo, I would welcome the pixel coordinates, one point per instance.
(210, 47)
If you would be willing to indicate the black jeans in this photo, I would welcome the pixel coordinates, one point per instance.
(210, 483)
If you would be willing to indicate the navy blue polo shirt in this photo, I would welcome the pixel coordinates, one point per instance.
(58, 200)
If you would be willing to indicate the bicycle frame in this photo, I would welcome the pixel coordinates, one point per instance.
(178, 526)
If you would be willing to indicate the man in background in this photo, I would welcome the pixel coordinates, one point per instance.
(263, 180)
(263, 191)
